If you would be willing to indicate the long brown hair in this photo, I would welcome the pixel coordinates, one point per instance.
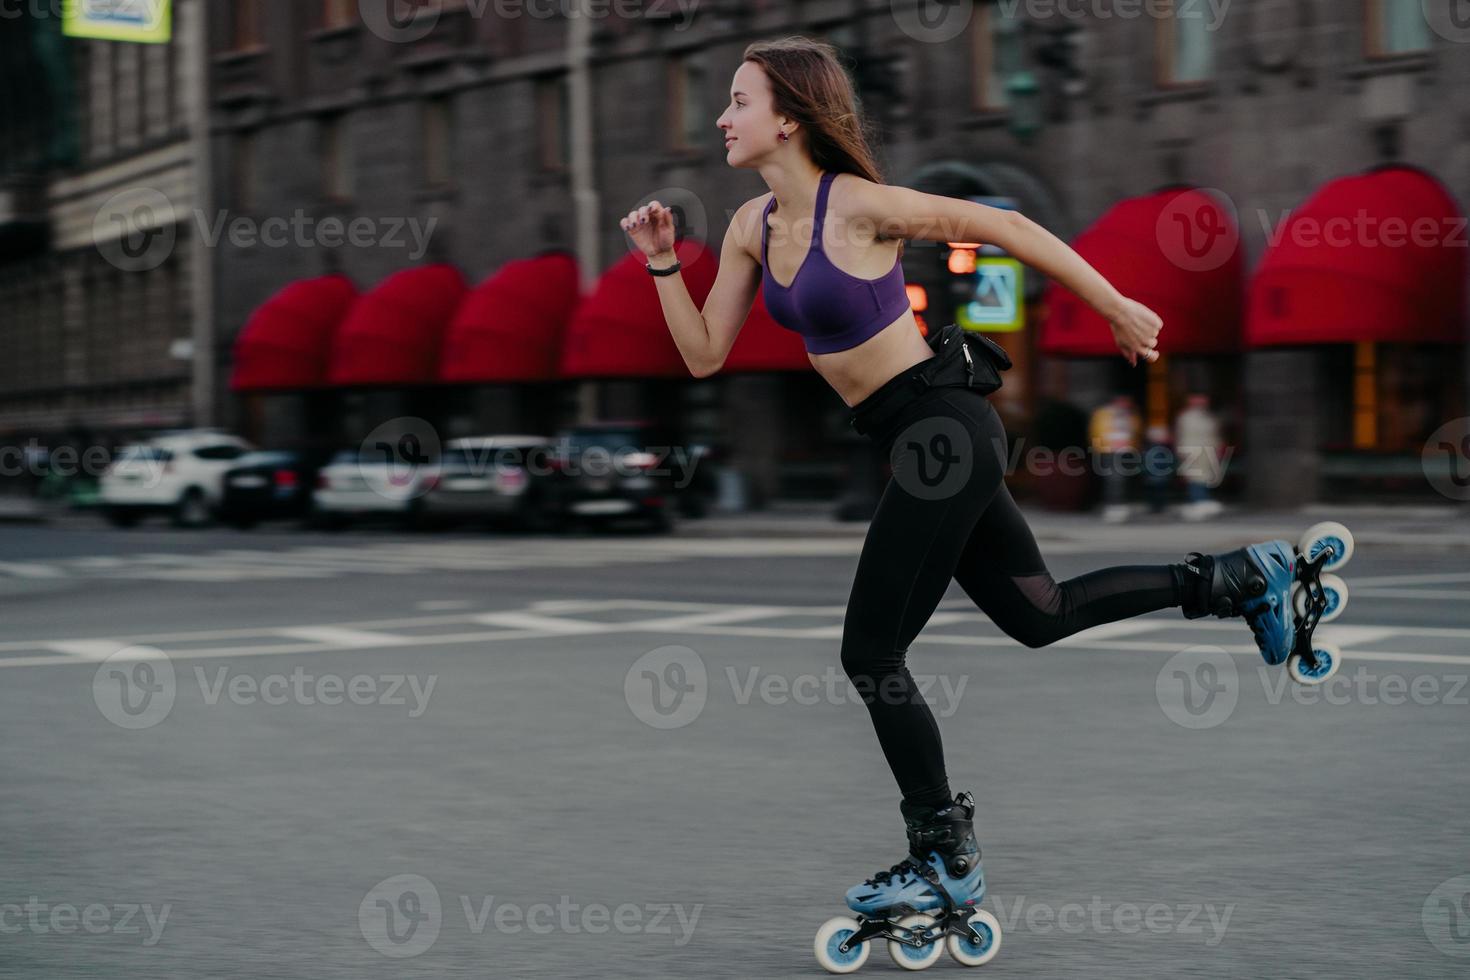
(809, 85)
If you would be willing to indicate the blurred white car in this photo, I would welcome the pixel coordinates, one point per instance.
(176, 473)
(360, 483)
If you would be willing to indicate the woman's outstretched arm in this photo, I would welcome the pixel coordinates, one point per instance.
(902, 212)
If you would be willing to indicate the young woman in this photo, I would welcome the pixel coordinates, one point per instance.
(826, 244)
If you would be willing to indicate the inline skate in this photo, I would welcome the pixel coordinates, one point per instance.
(926, 903)
(1283, 594)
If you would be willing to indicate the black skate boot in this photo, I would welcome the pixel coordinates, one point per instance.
(1221, 585)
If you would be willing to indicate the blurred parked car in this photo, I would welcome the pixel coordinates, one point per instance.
(270, 485)
(630, 469)
(505, 478)
(176, 473)
(358, 484)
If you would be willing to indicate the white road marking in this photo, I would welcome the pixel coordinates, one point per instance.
(540, 621)
(30, 570)
(339, 637)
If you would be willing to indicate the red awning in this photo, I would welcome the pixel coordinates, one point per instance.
(620, 330)
(287, 341)
(509, 328)
(1175, 251)
(392, 335)
(1378, 256)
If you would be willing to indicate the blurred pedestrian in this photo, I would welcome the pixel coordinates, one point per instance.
(1114, 436)
(1199, 446)
(1159, 463)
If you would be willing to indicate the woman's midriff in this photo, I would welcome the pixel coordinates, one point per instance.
(859, 371)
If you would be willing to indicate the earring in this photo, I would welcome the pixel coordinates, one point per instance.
(782, 136)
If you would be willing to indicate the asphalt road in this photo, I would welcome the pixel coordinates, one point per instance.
(366, 755)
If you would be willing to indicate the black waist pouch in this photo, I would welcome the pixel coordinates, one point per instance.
(984, 358)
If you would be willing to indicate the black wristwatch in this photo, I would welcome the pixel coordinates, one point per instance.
(669, 271)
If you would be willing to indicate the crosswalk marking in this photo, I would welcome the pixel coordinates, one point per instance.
(572, 617)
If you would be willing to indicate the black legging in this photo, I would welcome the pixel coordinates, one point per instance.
(946, 513)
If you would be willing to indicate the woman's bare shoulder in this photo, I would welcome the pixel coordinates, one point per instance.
(746, 224)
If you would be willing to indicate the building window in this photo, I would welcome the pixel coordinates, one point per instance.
(436, 133)
(987, 39)
(246, 25)
(1186, 45)
(1395, 27)
(242, 170)
(688, 122)
(338, 13)
(335, 154)
(553, 113)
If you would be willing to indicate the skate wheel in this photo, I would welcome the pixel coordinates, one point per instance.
(830, 937)
(1318, 536)
(1329, 658)
(1334, 589)
(911, 957)
(972, 952)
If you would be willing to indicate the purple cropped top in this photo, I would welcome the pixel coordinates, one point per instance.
(829, 308)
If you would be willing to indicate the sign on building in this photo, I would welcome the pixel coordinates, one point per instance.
(143, 21)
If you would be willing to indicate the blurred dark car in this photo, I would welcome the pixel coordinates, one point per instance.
(269, 485)
(631, 470)
(505, 479)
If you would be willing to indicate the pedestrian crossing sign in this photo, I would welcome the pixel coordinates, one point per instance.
(142, 21)
(998, 304)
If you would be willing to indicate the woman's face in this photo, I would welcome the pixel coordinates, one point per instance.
(749, 122)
